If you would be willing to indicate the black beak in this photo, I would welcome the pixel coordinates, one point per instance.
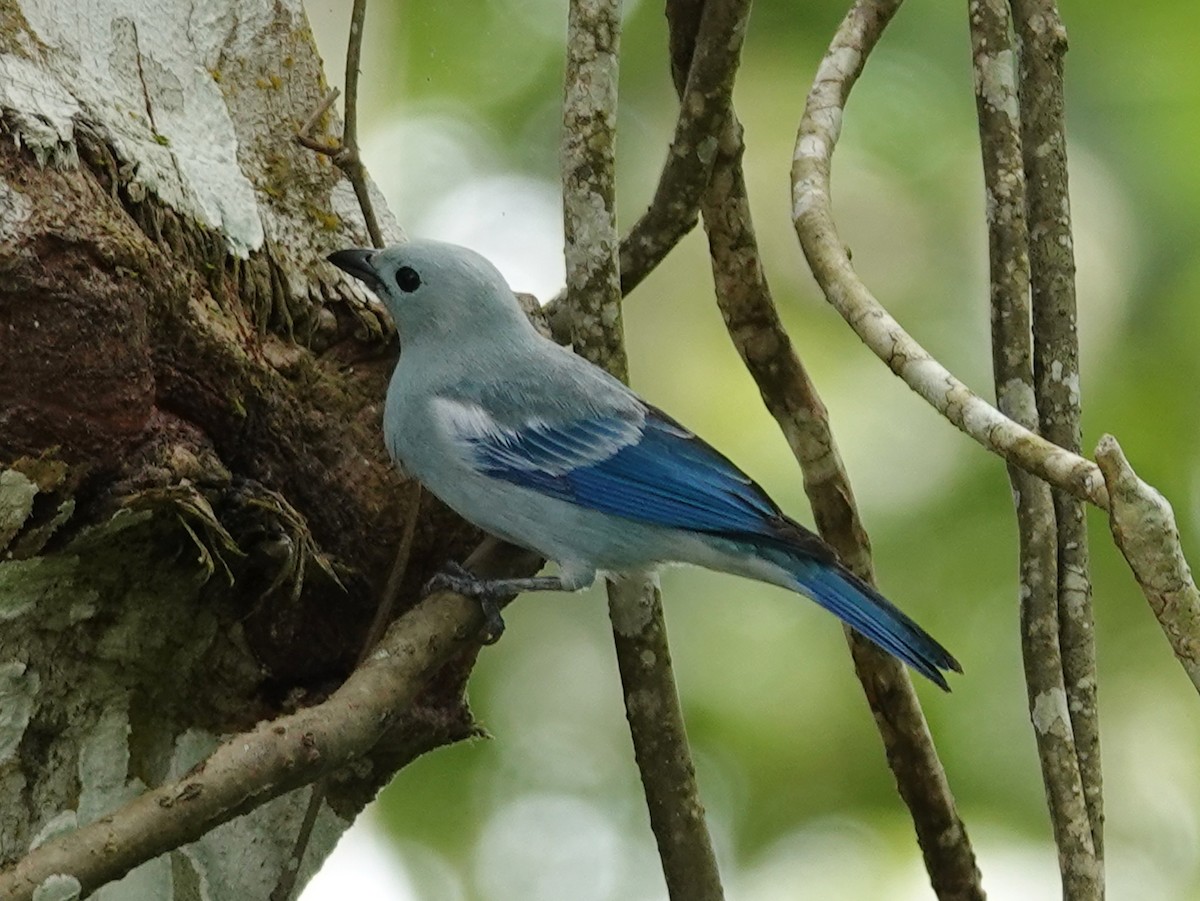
(358, 262)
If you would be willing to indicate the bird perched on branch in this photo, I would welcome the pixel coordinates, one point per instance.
(545, 450)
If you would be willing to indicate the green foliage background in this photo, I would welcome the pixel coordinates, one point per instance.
(461, 124)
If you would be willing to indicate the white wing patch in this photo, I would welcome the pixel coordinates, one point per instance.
(534, 444)
(465, 421)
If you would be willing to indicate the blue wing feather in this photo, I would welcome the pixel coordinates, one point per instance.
(665, 476)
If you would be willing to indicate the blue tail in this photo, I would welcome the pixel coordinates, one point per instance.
(868, 612)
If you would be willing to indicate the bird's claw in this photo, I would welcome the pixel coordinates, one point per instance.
(493, 622)
(457, 578)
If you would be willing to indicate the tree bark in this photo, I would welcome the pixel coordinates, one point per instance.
(196, 512)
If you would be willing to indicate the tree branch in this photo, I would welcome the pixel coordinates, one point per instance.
(827, 258)
(753, 323)
(660, 742)
(276, 756)
(1013, 365)
(1143, 526)
(594, 302)
(813, 218)
(745, 300)
(702, 110)
(1042, 43)
(589, 183)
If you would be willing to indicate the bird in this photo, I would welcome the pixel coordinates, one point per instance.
(537, 446)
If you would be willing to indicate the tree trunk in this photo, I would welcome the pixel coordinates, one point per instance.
(196, 513)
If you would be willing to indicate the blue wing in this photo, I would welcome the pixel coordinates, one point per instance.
(652, 470)
(644, 466)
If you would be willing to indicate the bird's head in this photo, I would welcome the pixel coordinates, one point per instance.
(434, 289)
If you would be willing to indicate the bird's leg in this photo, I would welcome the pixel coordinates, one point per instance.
(490, 592)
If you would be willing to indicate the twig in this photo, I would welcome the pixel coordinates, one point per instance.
(702, 110)
(753, 323)
(1143, 526)
(346, 154)
(291, 868)
(304, 136)
(594, 301)
(383, 615)
(745, 300)
(277, 756)
(346, 157)
(813, 219)
(1013, 366)
(1042, 42)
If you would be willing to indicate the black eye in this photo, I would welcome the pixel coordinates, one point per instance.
(407, 279)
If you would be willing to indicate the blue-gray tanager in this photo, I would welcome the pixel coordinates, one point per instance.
(541, 448)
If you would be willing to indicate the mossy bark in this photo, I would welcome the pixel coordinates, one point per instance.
(196, 511)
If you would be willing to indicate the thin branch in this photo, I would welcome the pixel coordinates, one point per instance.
(304, 136)
(1143, 526)
(358, 19)
(813, 218)
(594, 301)
(286, 883)
(660, 742)
(348, 160)
(589, 183)
(1082, 875)
(753, 323)
(745, 300)
(277, 756)
(702, 110)
(1013, 366)
(383, 615)
(1042, 43)
(346, 154)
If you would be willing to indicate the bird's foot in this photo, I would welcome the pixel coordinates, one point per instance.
(457, 578)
